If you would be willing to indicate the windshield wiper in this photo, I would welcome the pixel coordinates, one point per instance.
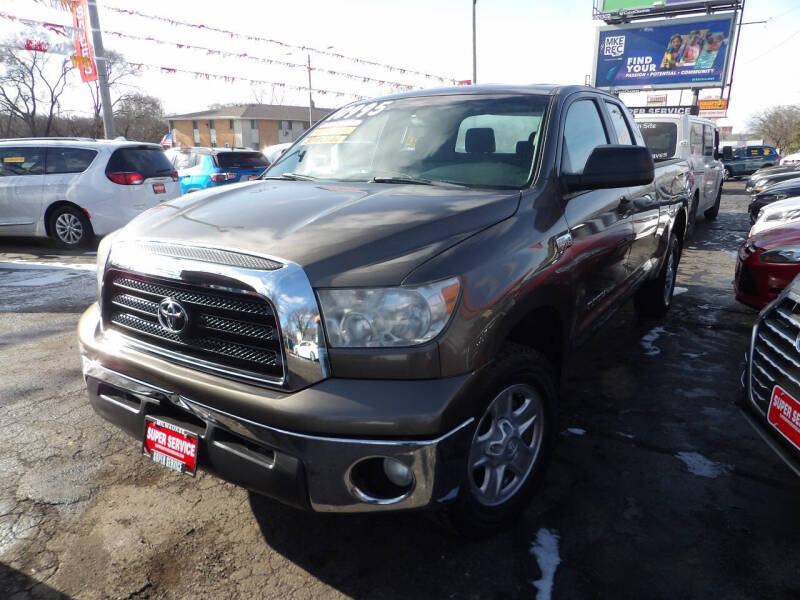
(292, 177)
(414, 181)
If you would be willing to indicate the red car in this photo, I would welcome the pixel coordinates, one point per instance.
(768, 262)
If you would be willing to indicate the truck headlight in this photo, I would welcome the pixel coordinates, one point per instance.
(387, 317)
(782, 254)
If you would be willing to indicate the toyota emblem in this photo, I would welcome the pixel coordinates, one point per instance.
(172, 316)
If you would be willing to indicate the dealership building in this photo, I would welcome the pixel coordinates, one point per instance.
(242, 126)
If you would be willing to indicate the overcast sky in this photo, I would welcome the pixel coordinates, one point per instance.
(519, 41)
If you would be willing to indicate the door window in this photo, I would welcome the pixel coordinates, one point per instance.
(696, 139)
(68, 160)
(620, 125)
(583, 132)
(21, 160)
(708, 140)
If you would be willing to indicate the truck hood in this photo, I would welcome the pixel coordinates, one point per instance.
(342, 234)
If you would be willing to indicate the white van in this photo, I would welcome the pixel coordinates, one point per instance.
(692, 139)
(72, 189)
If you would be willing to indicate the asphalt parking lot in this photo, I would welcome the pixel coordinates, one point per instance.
(659, 489)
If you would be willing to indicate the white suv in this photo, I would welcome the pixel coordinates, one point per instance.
(72, 189)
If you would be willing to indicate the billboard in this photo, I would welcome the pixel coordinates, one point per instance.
(612, 9)
(616, 5)
(669, 53)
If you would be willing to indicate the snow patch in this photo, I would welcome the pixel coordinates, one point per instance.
(694, 354)
(701, 466)
(33, 265)
(545, 550)
(679, 290)
(576, 431)
(650, 349)
(626, 435)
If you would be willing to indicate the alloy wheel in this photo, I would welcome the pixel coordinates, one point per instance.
(669, 277)
(69, 228)
(506, 444)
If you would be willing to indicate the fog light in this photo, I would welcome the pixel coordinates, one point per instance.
(397, 472)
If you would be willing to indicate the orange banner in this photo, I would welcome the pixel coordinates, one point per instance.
(83, 48)
(713, 104)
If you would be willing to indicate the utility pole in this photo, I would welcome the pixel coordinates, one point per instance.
(310, 101)
(474, 47)
(102, 70)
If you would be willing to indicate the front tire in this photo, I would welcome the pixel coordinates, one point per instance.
(695, 200)
(70, 227)
(511, 443)
(654, 297)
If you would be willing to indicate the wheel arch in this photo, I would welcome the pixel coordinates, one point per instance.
(543, 329)
(58, 204)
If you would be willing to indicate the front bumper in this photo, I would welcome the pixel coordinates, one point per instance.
(243, 439)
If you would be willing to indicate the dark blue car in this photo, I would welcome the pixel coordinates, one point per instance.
(201, 168)
(744, 161)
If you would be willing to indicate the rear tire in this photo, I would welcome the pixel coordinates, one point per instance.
(727, 174)
(511, 443)
(654, 297)
(70, 227)
(712, 212)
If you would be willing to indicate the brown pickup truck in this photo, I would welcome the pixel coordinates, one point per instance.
(381, 321)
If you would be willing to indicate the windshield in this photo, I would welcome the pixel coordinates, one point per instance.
(483, 141)
(661, 138)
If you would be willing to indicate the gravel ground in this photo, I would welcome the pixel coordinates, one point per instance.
(659, 489)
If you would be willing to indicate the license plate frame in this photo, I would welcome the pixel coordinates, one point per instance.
(180, 454)
(783, 414)
(159, 188)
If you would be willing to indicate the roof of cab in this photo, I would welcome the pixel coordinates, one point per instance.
(532, 89)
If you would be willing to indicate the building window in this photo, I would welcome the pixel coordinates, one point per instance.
(213, 127)
(253, 124)
(230, 124)
(305, 125)
(285, 126)
(172, 124)
(194, 124)
(195, 133)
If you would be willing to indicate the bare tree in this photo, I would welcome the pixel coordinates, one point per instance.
(140, 117)
(32, 86)
(118, 72)
(777, 125)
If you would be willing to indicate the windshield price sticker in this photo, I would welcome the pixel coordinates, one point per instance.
(171, 446)
(784, 415)
(359, 111)
(13, 159)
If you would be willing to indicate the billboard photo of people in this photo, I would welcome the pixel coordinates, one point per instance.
(669, 53)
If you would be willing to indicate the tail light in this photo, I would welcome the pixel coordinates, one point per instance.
(126, 178)
(175, 176)
(222, 177)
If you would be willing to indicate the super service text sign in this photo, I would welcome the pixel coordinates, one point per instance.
(673, 53)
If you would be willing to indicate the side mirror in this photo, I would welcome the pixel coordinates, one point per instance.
(613, 166)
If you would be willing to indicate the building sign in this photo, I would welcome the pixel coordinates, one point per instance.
(713, 104)
(664, 110)
(83, 48)
(669, 53)
(659, 100)
(714, 114)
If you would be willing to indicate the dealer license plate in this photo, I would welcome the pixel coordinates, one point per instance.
(170, 446)
(159, 188)
(784, 415)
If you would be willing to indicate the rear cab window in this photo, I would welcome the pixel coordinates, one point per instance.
(623, 133)
(696, 139)
(241, 160)
(148, 161)
(708, 140)
(21, 160)
(660, 137)
(68, 160)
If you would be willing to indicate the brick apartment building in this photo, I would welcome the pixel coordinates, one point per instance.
(242, 126)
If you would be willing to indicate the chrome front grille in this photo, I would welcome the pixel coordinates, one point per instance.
(229, 332)
(776, 358)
